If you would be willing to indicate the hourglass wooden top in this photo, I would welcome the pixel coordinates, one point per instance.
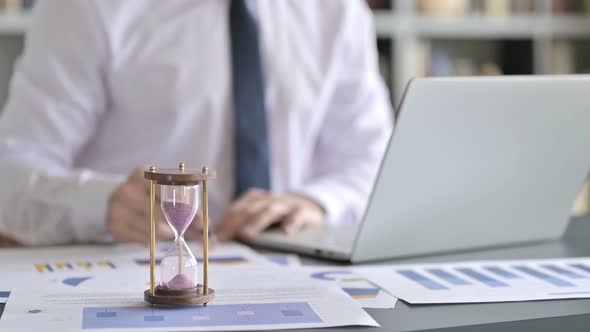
(179, 176)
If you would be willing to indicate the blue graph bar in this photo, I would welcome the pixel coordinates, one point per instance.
(582, 267)
(212, 315)
(360, 292)
(571, 293)
(330, 275)
(422, 280)
(279, 259)
(501, 272)
(448, 277)
(544, 276)
(481, 277)
(153, 318)
(106, 314)
(563, 271)
(291, 313)
(229, 259)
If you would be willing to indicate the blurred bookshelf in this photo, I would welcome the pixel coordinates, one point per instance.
(418, 38)
(480, 37)
(432, 37)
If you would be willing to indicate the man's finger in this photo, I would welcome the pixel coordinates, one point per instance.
(235, 214)
(274, 212)
(250, 213)
(134, 197)
(247, 198)
(6, 241)
(138, 178)
(126, 225)
(141, 224)
(257, 207)
(160, 217)
(135, 222)
(228, 225)
(195, 229)
(163, 231)
(137, 235)
(294, 222)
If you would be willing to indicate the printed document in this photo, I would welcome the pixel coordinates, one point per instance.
(261, 298)
(484, 281)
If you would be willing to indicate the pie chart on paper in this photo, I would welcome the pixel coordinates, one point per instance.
(75, 281)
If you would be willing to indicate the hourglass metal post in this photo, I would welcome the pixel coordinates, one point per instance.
(179, 202)
(205, 170)
(152, 234)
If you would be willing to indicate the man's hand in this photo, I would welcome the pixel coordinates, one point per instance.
(128, 216)
(6, 241)
(257, 209)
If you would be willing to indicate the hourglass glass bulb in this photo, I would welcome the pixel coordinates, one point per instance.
(179, 215)
(179, 266)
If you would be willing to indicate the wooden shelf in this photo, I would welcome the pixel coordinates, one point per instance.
(14, 23)
(386, 23)
(569, 26)
(477, 27)
(407, 29)
(390, 25)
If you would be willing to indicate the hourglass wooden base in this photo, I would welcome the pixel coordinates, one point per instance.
(187, 297)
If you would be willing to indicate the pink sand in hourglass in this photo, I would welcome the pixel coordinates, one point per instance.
(179, 214)
(181, 281)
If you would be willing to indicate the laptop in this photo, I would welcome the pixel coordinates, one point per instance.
(472, 163)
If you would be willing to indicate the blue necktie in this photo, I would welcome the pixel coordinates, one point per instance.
(251, 132)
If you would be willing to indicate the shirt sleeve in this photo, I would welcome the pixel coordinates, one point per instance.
(56, 99)
(357, 125)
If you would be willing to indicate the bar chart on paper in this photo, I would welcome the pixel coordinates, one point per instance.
(73, 266)
(357, 287)
(353, 285)
(488, 281)
(213, 315)
(4, 296)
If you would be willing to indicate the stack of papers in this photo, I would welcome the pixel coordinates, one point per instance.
(261, 298)
(88, 288)
(101, 288)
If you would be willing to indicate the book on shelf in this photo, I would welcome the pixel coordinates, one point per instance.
(562, 58)
(570, 57)
(513, 57)
(448, 8)
(566, 6)
(435, 60)
(457, 8)
(497, 8)
(379, 4)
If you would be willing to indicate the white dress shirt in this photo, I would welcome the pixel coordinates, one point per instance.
(105, 86)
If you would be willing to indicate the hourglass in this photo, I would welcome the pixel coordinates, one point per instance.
(179, 199)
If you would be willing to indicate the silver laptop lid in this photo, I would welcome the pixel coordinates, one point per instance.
(478, 162)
